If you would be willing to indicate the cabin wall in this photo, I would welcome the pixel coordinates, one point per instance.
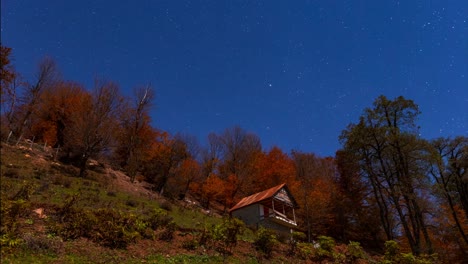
(249, 214)
(269, 223)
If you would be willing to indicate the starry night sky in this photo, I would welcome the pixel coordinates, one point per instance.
(295, 73)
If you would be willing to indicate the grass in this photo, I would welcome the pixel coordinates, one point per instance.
(29, 182)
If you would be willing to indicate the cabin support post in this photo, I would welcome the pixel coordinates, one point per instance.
(294, 215)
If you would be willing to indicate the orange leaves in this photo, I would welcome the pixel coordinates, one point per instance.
(274, 168)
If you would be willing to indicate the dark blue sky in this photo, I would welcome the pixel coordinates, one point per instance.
(295, 73)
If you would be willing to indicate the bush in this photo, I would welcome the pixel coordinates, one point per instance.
(392, 250)
(39, 173)
(11, 173)
(168, 233)
(265, 241)
(158, 218)
(355, 251)
(7, 241)
(131, 203)
(226, 233)
(325, 249)
(10, 211)
(166, 206)
(295, 238)
(108, 227)
(190, 244)
(42, 244)
(305, 250)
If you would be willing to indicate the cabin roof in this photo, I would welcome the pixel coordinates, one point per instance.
(261, 196)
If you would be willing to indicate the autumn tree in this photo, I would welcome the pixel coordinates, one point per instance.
(46, 76)
(54, 112)
(388, 149)
(448, 159)
(7, 72)
(162, 161)
(9, 83)
(315, 192)
(134, 134)
(239, 149)
(271, 169)
(92, 125)
(354, 208)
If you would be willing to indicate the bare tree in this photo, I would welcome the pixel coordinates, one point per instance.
(134, 120)
(45, 77)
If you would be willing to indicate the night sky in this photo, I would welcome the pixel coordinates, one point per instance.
(295, 73)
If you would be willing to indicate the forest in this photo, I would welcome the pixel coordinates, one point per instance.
(385, 183)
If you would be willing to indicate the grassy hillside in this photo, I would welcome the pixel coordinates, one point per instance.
(49, 215)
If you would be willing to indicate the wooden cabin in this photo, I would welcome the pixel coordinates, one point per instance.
(273, 208)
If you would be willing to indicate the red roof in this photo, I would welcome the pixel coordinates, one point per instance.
(257, 197)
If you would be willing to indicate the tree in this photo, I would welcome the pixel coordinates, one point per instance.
(271, 169)
(92, 126)
(54, 112)
(354, 208)
(448, 168)
(162, 160)
(134, 136)
(388, 149)
(239, 149)
(45, 77)
(315, 192)
(9, 83)
(7, 72)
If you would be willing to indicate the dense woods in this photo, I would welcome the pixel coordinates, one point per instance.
(386, 183)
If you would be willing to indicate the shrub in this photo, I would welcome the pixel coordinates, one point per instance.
(168, 233)
(392, 250)
(43, 244)
(226, 233)
(158, 218)
(10, 211)
(190, 244)
(11, 173)
(305, 250)
(114, 229)
(295, 238)
(39, 173)
(8, 241)
(166, 206)
(325, 248)
(25, 191)
(131, 203)
(265, 241)
(355, 251)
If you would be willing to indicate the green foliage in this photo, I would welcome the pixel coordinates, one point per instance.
(190, 244)
(325, 249)
(305, 250)
(7, 241)
(392, 250)
(355, 251)
(393, 255)
(295, 238)
(42, 244)
(224, 235)
(158, 218)
(109, 227)
(265, 241)
(326, 243)
(10, 212)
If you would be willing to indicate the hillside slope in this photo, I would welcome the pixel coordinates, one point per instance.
(49, 215)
